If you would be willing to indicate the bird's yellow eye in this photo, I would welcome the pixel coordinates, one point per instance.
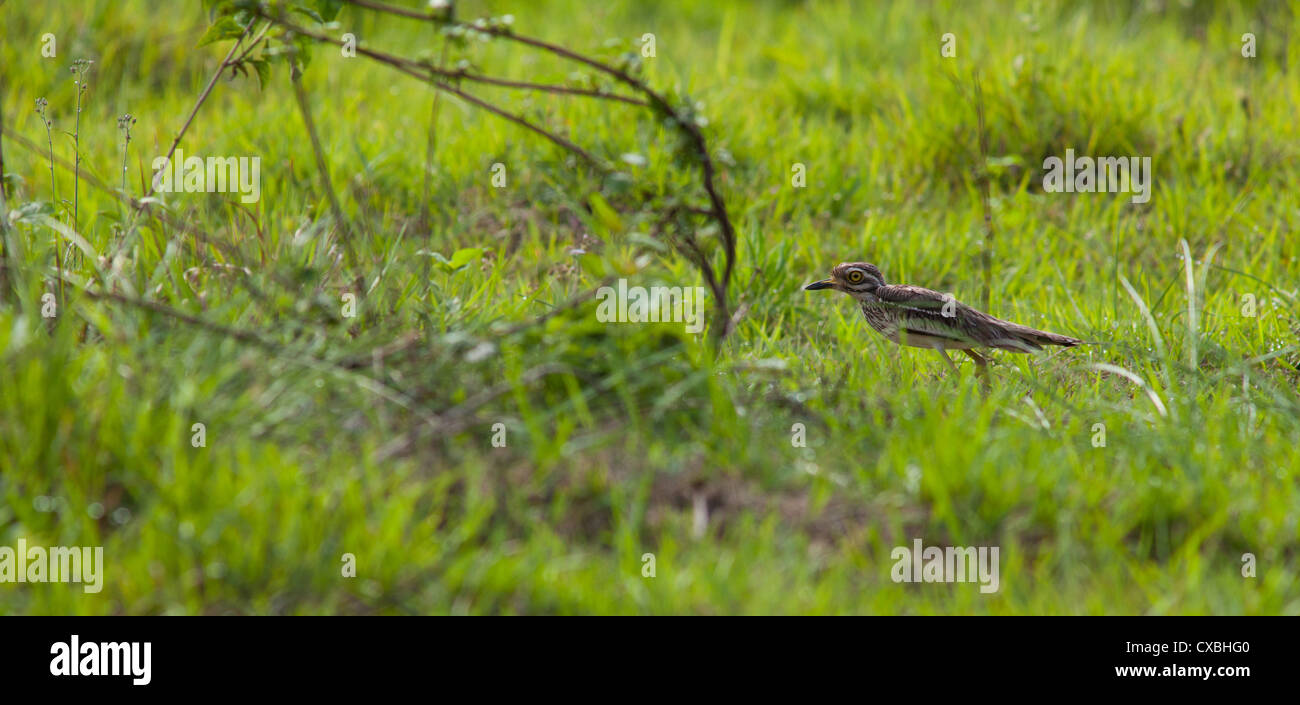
(855, 276)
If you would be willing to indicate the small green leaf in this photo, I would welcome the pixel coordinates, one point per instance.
(607, 216)
(302, 46)
(222, 29)
(647, 242)
(263, 68)
(593, 264)
(459, 258)
(328, 9)
(998, 166)
(462, 257)
(31, 212)
(14, 181)
(309, 11)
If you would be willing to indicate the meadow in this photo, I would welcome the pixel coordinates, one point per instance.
(383, 387)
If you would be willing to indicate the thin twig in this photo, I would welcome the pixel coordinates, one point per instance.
(295, 77)
(406, 67)
(571, 303)
(987, 256)
(80, 68)
(207, 90)
(294, 356)
(41, 109)
(458, 418)
(4, 200)
(203, 96)
(657, 102)
(4, 185)
(252, 44)
(430, 152)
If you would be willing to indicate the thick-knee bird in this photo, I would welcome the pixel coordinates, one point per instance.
(924, 318)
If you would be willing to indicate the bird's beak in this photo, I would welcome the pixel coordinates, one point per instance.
(823, 284)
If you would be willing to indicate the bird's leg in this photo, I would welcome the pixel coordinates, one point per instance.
(948, 360)
(978, 358)
(981, 367)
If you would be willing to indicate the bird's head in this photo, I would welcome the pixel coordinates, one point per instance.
(857, 279)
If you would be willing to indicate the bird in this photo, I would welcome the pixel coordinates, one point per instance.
(923, 318)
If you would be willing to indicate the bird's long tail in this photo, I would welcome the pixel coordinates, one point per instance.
(1035, 339)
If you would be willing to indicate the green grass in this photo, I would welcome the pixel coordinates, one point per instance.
(614, 431)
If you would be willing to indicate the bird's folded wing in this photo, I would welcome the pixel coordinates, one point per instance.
(922, 310)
